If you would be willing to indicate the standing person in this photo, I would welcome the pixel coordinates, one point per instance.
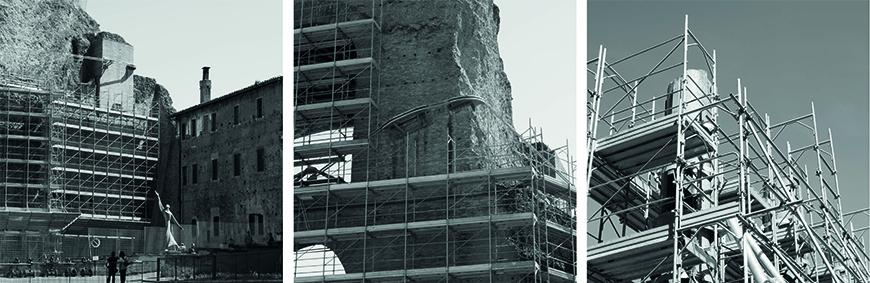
(112, 267)
(123, 262)
(171, 244)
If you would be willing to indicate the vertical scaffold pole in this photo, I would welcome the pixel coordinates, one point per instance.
(331, 134)
(770, 175)
(836, 175)
(793, 191)
(678, 168)
(633, 105)
(407, 188)
(741, 180)
(447, 207)
(824, 191)
(596, 102)
(720, 261)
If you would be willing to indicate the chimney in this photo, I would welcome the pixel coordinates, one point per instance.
(204, 87)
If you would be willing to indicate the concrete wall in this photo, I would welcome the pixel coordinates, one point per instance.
(116, 95)
(233, 198)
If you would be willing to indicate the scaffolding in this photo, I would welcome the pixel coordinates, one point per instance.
(335, 85)
(72, 171)
(103, 161)
(374, 202)
(694, 184)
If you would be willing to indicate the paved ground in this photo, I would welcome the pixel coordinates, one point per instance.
(92, 279)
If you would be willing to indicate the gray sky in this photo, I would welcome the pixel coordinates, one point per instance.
(540, 61)
(173, 40)
(788, 53)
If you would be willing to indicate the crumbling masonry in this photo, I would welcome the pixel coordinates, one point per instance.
(406, 163)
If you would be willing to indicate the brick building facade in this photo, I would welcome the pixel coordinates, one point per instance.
(229, 166)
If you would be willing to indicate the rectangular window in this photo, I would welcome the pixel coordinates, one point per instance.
(214, 169)
(237, 164)
(193, 127)
(236, 115)
(195, 173)
(216, 225)
(261, 162)
(183, 175)
(259, 107)
(180, 130)
(183, 130)
(255, 224)
(214, 121)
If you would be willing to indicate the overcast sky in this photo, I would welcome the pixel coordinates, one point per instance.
(788, 54)
(173, 40)
(539, 56)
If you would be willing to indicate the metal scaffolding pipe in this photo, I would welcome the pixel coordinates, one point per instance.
(762, 269)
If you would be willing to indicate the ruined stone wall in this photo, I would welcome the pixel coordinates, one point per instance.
(233, 198)
(433, 51)
(36, 38)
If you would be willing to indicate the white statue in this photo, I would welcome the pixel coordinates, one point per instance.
(171, 244)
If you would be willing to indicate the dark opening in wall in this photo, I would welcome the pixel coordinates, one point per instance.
(214, 169)
(338, 52)
(237, 164)
(195, 173)
(255, 223)
(236, 115)
(216, 226)
(213, 121)
(261, 159)
(193, 127)
(74, 48)
(259, 107)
